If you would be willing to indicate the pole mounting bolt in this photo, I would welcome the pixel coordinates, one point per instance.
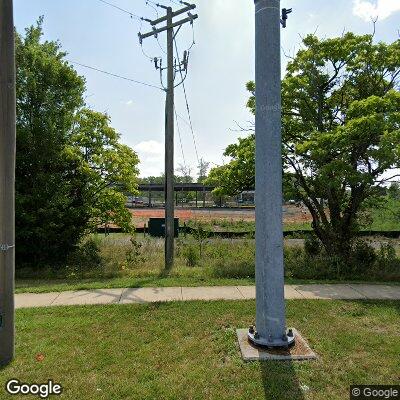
(6, 247)
(285, 13)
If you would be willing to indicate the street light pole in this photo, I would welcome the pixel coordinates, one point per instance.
(7, 179)
(270, 327)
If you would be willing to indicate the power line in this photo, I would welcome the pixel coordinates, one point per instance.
(152, 2)
(121, 9)
(115, 75)
(183, 119)
(180, 137)
(187, 105)
(148, 3)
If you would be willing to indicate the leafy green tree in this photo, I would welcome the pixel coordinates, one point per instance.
(109, 169)
(341, 132)
(159, 180)
(70, 170)
(394, 191)
(239, 175)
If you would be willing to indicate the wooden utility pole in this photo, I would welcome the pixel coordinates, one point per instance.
(7, 180)
(172, 68)
(169, 148)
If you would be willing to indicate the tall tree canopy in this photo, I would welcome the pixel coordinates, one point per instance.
(71, 169)
(341, 132)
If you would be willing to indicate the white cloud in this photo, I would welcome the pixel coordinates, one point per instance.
(151, 156)
(381, 9)
(150, 147)
(127, 103)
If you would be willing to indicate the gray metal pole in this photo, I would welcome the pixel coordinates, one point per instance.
(7, 179)
(270, 303)
(169, 149)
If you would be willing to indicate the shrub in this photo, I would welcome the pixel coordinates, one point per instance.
(133, 255)
(86, 256)
(191, 256)
(312, 245)
(300, 265)
(362, 258)
(387, 263)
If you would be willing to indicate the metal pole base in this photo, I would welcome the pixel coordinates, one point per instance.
(285, 341)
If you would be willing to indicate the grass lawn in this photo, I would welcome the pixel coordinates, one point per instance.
(62, 285)
(386, 218)
(189, 351)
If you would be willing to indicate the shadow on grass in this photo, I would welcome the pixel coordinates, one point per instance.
(165, 273)
(280, 381)
(5, 365)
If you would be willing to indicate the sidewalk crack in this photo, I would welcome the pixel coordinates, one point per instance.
(237, 287)
(55, 298)
(295, 288)
(363, 296)
(120, 297)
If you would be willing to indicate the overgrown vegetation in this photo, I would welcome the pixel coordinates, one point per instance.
(120, 260)
(71, 169)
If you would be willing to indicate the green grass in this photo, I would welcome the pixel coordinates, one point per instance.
(62, 285)
(222, 262)
(216, 225)
(387, 217)
(189, 351)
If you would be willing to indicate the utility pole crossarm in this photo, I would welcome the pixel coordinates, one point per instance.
(174, 14)
(155, 32)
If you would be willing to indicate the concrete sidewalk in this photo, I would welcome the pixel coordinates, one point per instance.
(152, 295)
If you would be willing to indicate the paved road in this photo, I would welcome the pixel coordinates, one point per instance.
(152, 295)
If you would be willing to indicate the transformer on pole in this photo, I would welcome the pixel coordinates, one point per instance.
(270, 327)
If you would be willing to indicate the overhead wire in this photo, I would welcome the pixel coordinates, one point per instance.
(115, 75)
(183, 119)
(193, 39)
(180, 137)
(132, 15)
(187, 104)
(153, 2)
(190, 124)
(121, 9)
(148, 3)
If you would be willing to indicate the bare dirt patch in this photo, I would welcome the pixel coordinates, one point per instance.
(291, 214)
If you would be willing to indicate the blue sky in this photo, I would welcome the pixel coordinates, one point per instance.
(221, 63)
